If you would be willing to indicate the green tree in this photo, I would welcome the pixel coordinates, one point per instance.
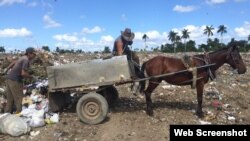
(191, 46)
(208, 31)
(222, 30)
(145, 38)
(248, 38)
(167, 48)
(177, 39)
(178, 43)
(185, 36)
(156, 49)
(57, 49)
(203, 47)
(46, 48)
(172, 37)
(79, 51)
(214, 44)
(106, 50)
(2, 49)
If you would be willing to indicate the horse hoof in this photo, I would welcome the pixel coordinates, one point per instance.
(200, 114)
(150, 113)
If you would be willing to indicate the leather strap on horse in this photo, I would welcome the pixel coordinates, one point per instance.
(194, 73)
(207, 61)
(189, 64)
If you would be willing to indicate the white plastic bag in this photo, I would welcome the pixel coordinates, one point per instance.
(55, 118)
(13, 125)
(36, 122)
(37, 119)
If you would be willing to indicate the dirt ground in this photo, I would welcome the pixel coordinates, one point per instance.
(128, 121)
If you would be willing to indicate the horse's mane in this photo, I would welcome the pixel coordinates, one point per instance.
(220, 49)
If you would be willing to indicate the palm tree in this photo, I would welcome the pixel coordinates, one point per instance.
(185, 36)
(172, 37)
(145, 37)
(177, 38)
(222, 30)
(209, 31)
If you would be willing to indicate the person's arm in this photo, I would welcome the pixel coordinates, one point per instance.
(25, 67)
(119, 45)
(10, 66)
(25, 74)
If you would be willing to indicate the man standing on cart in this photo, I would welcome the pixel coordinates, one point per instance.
(121, 47)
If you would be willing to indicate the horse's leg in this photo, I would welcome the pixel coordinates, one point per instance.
(151, 86)
(199, 90)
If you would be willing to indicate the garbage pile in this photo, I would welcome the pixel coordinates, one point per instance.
(35, 110)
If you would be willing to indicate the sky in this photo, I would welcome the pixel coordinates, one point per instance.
(91, 25)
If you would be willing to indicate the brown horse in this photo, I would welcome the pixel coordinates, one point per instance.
(163, 65)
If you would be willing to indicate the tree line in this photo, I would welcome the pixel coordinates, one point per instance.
(190, 46)
(179, 43)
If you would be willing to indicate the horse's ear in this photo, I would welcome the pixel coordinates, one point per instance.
(231, 48)
(234, 47)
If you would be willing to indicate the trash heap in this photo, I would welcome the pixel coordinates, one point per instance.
(35, 111)
(35, 105)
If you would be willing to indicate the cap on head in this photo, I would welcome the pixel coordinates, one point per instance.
(30, 50)
(127, 34)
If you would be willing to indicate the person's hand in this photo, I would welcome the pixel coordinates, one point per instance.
(5, 71)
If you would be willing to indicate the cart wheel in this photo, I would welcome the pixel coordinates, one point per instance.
(110, 94)
(92, 108)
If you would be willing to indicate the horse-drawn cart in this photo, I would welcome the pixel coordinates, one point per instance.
(95, 79)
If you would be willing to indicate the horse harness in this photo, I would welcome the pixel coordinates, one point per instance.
(188, 62)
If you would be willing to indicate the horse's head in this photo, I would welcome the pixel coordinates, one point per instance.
(234, 59)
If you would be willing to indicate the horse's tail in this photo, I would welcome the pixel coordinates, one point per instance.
(142, 83)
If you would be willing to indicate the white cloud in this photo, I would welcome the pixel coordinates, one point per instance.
(215, 1)
(10, 32)
(10, 2)
(62, 45)
(107, 39)
(75, 41)
(49, 22)
(180, 8)
(155, 38)
(95, 29)
(32, 4)
(195, 31)
(244, 30)
(152, 35)
(65, 37)
(84, 42)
